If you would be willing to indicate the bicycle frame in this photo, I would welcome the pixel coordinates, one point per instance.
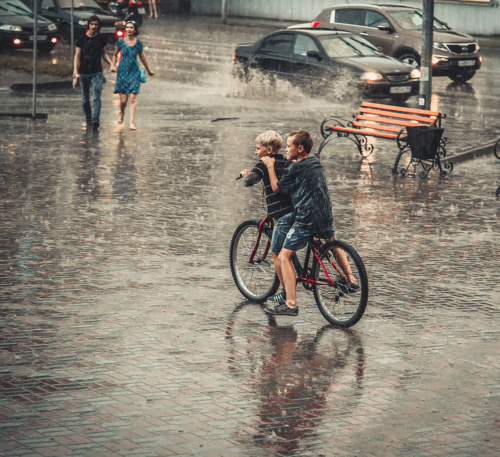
(266, 220)
(302, 273)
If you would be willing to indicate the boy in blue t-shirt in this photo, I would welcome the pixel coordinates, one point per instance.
(305, 182)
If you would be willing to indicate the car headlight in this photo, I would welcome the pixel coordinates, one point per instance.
(372, 76)
(438, 59)
(440, 46)
(52, 27)
(477, 47)
(415, 73)
(82, 22)
(11, 28)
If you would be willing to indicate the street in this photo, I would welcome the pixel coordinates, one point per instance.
(123, 332)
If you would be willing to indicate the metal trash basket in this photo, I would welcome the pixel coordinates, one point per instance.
(424, 141)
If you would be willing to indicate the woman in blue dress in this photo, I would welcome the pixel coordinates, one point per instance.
(128, 77)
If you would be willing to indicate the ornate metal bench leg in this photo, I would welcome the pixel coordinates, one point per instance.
(396, 163)
(326, 140)
(496, 149)
(447, 165)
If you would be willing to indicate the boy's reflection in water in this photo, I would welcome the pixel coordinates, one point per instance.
(293, 378)
(124, 184)
(87, 180)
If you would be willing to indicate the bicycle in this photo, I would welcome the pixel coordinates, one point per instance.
(255, 277)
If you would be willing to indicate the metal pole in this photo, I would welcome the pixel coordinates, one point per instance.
(72, 34)
(224, 11)
(426, 56)
(35, 42)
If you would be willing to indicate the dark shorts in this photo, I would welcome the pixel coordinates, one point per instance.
(281, 227)
(289, 235)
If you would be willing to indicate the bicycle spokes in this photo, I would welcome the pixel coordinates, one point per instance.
(341, 290)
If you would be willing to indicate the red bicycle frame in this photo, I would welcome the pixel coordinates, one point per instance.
(266, 220)
(313, 246)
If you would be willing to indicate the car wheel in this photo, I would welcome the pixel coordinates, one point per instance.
(462, 75)
(66, 34)
(241, 72)
(410, 58)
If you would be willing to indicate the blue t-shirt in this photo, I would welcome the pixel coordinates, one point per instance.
(305, 182)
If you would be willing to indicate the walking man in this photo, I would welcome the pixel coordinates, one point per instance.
(90, 48)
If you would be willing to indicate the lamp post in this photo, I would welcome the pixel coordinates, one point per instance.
(35, 42)
(224, 11)
(72, 33)
(426, 56)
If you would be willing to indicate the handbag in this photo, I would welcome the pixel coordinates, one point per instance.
(142, 72)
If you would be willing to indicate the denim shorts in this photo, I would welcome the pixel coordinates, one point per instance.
(289, 235)
(281, 227)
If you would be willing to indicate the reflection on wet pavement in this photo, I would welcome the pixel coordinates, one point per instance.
(123, 331)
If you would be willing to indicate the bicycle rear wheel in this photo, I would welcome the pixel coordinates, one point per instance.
(257, 280)
(337, 300)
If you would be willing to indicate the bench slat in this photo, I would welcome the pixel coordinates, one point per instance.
(400, 109)
(362, 132)
(397, 115)
(391, 121)
(377, 127)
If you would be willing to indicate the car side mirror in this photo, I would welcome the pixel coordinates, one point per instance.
(314, 54)
(384, 27)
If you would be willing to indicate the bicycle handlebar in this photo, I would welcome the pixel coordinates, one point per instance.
(239, 177)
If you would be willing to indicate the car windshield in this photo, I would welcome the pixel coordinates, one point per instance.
(348, 46)
(412, 20)
(66, 4)
(13, 8)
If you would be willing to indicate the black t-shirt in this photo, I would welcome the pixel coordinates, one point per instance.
(90, 59)
(305, 182)
(277, 204)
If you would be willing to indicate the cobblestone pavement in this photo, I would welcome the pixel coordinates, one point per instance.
(123, 332)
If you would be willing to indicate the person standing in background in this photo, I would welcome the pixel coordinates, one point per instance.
(90, 48)
(152, 8)
(128, 78)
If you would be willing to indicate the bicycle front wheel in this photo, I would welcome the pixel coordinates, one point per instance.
(342, 302)
(256, 280)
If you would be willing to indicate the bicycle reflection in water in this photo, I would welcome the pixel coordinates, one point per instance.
(293, 376)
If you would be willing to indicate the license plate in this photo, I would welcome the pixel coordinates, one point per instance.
(466, 63)
(107, 30)
(400, 90)
(141, 10)
(39, 38)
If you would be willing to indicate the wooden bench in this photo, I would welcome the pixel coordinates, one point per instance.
(381, 121)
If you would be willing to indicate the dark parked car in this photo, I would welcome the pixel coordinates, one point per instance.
(16, 28)
(59, 11)
(397, 31)
(318, 59)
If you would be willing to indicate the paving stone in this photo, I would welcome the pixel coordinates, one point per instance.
(123, 332)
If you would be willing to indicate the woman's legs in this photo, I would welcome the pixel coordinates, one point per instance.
(152, 8)
(133, 110)
(123, 105)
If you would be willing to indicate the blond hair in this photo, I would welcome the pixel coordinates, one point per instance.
(270, 138)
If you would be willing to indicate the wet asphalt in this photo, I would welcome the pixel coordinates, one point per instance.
(122, 330)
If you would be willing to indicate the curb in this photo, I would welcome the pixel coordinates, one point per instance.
(21, 87)
(471, 154)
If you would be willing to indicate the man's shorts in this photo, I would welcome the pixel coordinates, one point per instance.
(289, 235)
